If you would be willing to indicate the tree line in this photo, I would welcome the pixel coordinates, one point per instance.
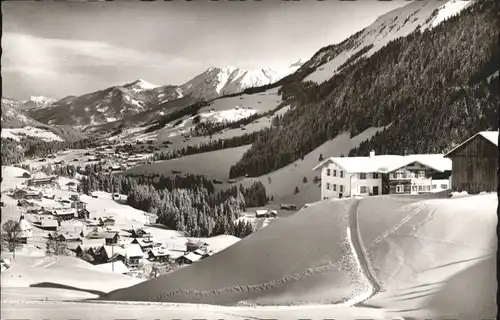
(188, 203)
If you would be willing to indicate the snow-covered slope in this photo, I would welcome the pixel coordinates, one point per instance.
(215, 82)
(17, 133)
(140, 85)
(392, 25)
(13, 116)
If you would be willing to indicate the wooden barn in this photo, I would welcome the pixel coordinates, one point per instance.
(475, 164)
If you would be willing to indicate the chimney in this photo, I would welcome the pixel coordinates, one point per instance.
(372, 153)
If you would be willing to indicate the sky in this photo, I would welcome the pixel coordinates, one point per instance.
(57, 49)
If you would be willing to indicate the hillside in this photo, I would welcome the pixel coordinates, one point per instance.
(388, 27)
(344, 252)
(422, 87)
(280, 184)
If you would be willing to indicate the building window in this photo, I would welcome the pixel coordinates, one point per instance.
(334, 173)
(362, 189)
(427, 188)
(341, 188)
(399, 175)
(412, 174)
(341, 173)
(375, 175)
(325, 198)
(420, 188)
(414, 188)
(394, 175)
(362, 176)
(434, 187)
(444, 186)
(400, 188)
(421, 174)
(328, 172)
(327, 186)
(334, 187)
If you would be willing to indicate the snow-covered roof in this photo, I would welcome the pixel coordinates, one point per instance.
(434, 161)
(491, 136)
(160, 252)
(115, 266)
(193, 257)
(133, 250)
(93, 242)
(387, 163)
(49, 223)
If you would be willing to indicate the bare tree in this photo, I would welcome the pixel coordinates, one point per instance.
(10, 236)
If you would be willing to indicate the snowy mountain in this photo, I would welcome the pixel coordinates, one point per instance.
(125, 101)
(105, 106)
(140, 86)
(13, 116)
(392, 25)
(39, 101)
(215, 82)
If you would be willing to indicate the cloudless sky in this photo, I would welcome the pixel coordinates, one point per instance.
(58, 49)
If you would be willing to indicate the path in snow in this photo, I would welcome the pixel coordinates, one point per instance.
(360, 253)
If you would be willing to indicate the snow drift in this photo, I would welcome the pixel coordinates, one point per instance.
(377, 250)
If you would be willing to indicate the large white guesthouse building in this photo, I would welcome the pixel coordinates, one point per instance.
(374, 175)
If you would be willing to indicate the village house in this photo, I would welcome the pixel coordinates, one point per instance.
(83, 214)
(133, 254)
(49, 223)
(106, 254)
(65, 237)
(139, 233)
(90, 246)
(65, 214)
(159, 254)
(25, 230)
(110, 237)
(475, 163)
(417, 174)
(107, 222)
(39, 182)
(27, 194)
(188, 258)
(266, 214)
(385, 174)
(146, 244)
(195, 245)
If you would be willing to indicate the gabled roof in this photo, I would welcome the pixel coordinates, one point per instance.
(105, 235)
(387, 163)
(159, 252)
(133, 250)
(362, 164)
(434, 161)
(491, 136)
(196, 243)
(193, 257)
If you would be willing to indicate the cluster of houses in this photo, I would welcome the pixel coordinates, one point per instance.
(117, 161)
(471, 166)
(109, 248)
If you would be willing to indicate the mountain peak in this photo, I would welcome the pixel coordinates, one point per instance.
(140, 85)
